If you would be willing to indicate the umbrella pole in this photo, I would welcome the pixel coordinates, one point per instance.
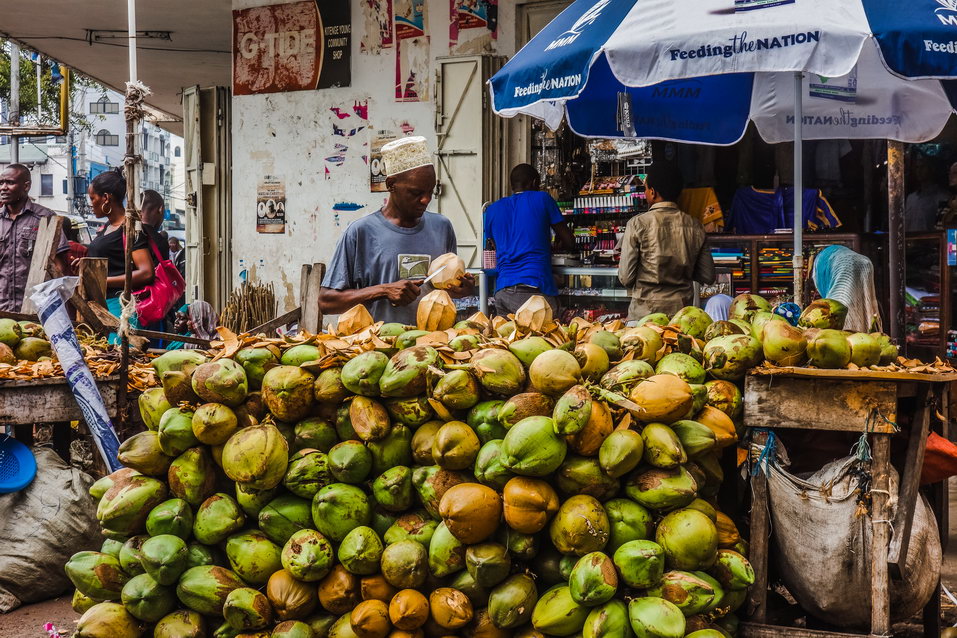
(798, 257)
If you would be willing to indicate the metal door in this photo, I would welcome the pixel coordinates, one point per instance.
(470, 148)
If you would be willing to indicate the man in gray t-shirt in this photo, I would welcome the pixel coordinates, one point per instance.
(382, 258)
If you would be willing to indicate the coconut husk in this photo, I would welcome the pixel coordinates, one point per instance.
(535, 315)
(353, 320)
(436, 311)
(453, 273)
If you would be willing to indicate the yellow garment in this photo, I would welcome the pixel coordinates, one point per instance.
(702, 204)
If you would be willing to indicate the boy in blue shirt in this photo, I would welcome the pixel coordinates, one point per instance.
(521, 227)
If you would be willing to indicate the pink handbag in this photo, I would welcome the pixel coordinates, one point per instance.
(156, 299)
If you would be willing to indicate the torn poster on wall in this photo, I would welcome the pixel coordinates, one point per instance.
(271, 205)
(379, 29)
(409, 19)
(292, 47)
(412, 70)
(473, 25)
(376, 167)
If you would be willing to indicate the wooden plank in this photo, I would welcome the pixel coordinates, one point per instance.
(760, 540)
(910, 482)
(282, 320)
(880, 535)
(92, 271)
(38, 403)
(18, 316)
(169, 336)
(758, 630)
(44, 250)
(310, 282)
(819, 404)
(861, 375)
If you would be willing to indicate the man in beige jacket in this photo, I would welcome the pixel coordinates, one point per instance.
(663, 251)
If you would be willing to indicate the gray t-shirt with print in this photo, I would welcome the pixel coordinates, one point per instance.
(375, 251)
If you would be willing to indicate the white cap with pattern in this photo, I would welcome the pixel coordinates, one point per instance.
(406, 154)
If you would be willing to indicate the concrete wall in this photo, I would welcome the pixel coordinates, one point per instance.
(290, 135)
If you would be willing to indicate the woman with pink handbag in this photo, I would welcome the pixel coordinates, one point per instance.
(155, 287)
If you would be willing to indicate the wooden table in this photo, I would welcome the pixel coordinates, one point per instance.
(24, 404)
(847, 401)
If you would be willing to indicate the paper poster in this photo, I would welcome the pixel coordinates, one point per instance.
(412, 70)
(271, 205)
(379, 28)
(409, 19)
(376, 167)
(473, 25)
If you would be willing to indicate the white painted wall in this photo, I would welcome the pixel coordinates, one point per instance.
(290, 135)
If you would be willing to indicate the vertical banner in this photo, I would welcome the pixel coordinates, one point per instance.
(376, 167)
(271, 205)
(292, 47)
(412, 70)
(379, 28)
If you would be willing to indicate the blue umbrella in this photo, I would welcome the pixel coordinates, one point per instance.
(699, 71)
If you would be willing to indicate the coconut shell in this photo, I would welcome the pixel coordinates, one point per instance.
(409, 610)
(529, 504)
(600, 425)
(471, 511)
(436, 311)
(376, 588)
(290, 598)
(370, 619)
(355, 319)
(369, 419)
(450, 608)
(535, 315)
(451, 276)
(720, 423)
(340, 591)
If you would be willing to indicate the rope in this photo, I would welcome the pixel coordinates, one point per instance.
(136, 93)
(767, 453)
(127, 312)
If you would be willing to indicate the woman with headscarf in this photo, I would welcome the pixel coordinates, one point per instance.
(843, 275)
(197, 319)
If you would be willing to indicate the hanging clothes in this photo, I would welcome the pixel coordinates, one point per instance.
(757, 211)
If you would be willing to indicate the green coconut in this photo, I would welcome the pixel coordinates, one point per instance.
(221, 381)
(557, 614)
(256, 362)
(257, 456)
(689, 540)
(580, 526)
(253, 556)
(288, 392)
(532, 448)
(629, 521)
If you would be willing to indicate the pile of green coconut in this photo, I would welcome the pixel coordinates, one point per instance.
(488, 478)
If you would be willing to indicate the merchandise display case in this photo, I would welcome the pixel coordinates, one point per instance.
(762, 264)
(929, 291)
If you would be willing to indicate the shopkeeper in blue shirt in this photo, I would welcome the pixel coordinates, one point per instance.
(521, 227)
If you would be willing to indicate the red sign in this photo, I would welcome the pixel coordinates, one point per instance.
(291, 47)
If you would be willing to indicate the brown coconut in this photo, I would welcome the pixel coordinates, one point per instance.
(719, 423)
(369, 419)
(436, 311)
(370, 619)
(450, 608)
(471, 511)
(409, 610)
(588, 440)
(529, 504)
(376, 588)
(453, 273)
(355, 319)
(339, 591)
(291, 599)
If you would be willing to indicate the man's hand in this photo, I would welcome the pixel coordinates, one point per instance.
(402, 293)
(466, 289)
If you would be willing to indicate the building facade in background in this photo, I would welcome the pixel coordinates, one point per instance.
(98, 144)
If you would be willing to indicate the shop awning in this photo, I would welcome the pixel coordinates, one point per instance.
(91, 37)
(687, 71)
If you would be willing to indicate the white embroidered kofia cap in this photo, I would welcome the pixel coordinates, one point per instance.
(405, 154)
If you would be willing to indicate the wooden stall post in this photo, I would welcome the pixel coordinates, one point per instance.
(311, 319)
(44, 251)
(760, 539)
(895, 236)
(880, 535)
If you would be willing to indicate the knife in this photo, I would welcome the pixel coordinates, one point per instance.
(432, 276)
